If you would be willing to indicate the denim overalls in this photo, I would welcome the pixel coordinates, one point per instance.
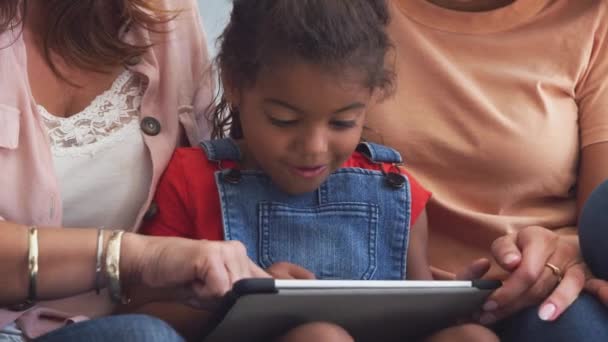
(354, 226)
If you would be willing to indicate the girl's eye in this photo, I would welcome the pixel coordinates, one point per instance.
(282, 123)
(343, 124)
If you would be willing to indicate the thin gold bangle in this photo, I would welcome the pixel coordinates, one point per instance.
(98, 257)
(32, 262)
(113, 268)
(32, 270)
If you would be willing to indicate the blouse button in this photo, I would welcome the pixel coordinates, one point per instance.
(150, 126)
(133, 61)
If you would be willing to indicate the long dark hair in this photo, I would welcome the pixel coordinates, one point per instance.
(86, 33)
(335, 34)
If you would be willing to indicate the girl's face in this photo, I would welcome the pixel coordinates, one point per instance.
(300, 123)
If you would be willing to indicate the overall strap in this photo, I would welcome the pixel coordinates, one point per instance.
(221, 149)
(379, 153)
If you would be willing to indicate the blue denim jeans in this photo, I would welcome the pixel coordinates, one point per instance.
(593, 231)
(120, 328)
(585, 320)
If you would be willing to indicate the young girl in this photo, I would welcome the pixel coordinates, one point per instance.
(292, 181)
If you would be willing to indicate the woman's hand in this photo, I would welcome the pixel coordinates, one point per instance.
(197, 272)
(545, 268)
(286, 270)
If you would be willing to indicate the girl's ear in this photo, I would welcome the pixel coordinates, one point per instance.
(232, 93)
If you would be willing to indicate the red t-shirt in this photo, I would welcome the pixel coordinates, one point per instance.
(188, 202)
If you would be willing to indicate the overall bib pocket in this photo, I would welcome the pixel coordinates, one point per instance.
(333, 240)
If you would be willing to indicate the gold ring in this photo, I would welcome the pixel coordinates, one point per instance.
(556, 271)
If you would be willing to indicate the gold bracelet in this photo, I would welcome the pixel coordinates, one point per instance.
(32, 262)
(32, 270)
(98, 263)
(113, 268)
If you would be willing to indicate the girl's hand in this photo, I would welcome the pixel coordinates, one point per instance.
(286, 270)
(545, 267)
(475, 270)
(197, 272)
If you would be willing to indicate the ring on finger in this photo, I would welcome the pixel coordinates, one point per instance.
(556, 271)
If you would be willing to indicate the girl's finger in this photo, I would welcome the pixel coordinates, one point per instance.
(475, 270)
(299, 272)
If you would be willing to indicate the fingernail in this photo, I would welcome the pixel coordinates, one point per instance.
(510, 258)
(487, 319)
(547, 311)
(490, 306)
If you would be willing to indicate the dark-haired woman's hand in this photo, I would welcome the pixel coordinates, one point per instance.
(545, 268)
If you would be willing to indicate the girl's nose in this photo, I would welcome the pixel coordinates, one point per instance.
(314, 142)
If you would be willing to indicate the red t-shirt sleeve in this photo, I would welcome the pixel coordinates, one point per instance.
(420, 196)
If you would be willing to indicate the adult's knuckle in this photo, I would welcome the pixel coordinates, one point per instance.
(236, 245)
(538, 292)
(497, 244)
(577, 274)
(528, 276)
(569, 250)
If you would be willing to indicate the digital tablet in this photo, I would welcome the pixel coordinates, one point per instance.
(370, 310)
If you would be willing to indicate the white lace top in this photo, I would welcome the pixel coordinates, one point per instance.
(100, 159)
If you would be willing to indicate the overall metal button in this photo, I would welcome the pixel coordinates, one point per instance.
(233, 176)
(395, 180)
(150, 126)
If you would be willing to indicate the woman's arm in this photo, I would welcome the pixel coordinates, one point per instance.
(67, 259)
(197, 272)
